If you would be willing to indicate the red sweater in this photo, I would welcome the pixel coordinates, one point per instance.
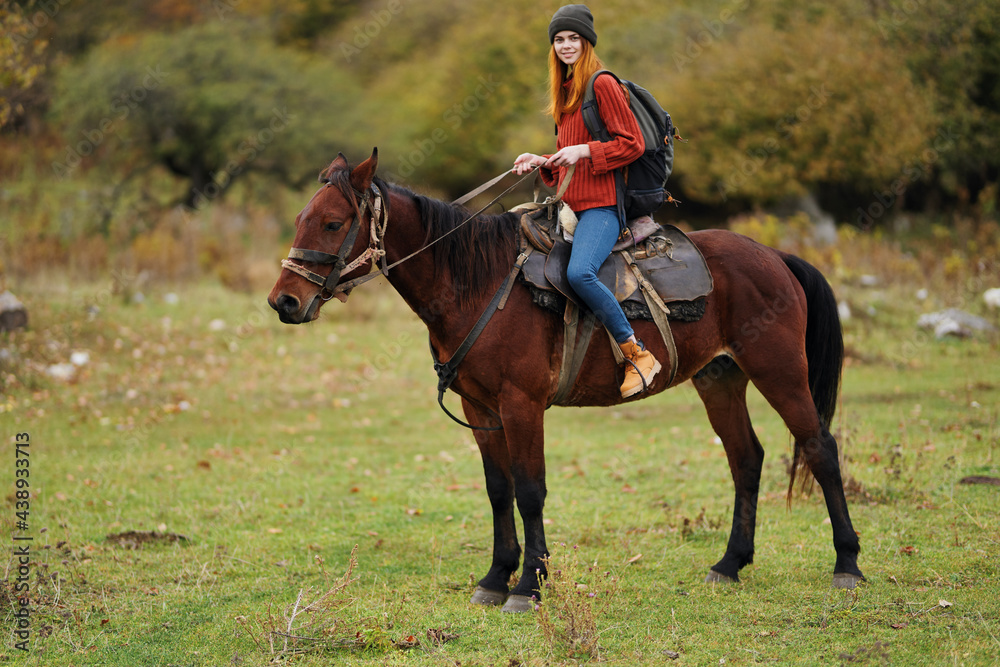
(593, 183)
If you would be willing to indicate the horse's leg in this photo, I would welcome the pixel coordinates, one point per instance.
(820, 453)
(787, 390)
(492, 589)
(722, 387)
(523, 424)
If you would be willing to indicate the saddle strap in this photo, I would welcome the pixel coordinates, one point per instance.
(574, 349)
(447, 371)
(509, 285)
(659, 311)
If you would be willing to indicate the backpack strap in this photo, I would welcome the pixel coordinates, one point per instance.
(595, 125)
(591, 112)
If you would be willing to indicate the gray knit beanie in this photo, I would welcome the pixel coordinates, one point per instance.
(576, 18)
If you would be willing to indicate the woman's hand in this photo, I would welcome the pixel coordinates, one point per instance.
(525, 162)
(569, 155)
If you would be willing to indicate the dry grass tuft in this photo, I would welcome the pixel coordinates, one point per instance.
(312, 623)
(575, 595)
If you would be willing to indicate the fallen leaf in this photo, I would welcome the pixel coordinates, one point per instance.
(438, 636)
(898, 626)
(408, 642)
(634, 559)
(673, 655)
(944, 604)
(275, 531)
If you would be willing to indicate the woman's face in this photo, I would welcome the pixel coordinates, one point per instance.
(568, 46)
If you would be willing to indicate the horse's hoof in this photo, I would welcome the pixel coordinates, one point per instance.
(517, 604)
(487, 598)
(719, 578)
(846, 580)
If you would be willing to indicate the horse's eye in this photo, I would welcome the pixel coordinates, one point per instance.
(333, 226)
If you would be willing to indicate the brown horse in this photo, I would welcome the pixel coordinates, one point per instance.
(771, 320)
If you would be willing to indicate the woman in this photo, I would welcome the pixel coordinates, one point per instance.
(591, 192)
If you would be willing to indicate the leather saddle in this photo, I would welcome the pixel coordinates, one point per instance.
(663, 253)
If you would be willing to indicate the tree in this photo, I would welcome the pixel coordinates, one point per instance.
(211, 103)
(954, 46)
(21, 58)
(794, 99)
(453, 90)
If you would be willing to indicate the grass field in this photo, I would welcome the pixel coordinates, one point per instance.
(262, 454)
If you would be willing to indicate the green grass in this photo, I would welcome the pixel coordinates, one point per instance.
(275, 450)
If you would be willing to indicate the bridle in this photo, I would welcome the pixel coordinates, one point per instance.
(372, 202)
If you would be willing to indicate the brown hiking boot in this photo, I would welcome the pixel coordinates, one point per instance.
(637, 360)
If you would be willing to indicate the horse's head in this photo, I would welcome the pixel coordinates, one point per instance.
(337, 237)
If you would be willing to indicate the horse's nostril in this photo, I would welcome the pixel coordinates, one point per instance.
(287, 304)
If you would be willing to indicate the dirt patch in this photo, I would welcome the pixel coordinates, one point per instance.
(134, 539)
(976, 479)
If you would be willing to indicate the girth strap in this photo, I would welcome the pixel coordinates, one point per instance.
(577, 333)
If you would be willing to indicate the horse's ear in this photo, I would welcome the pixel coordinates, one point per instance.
(339, 163)
(362, 175)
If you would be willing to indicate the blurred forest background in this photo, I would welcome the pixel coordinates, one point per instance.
(180, 137)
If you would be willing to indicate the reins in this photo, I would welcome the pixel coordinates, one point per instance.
(373, 200)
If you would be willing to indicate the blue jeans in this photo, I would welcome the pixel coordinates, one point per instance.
(595, 235)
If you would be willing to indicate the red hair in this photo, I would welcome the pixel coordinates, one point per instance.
(567, 99)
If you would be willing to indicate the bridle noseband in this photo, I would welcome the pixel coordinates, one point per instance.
(372, 202)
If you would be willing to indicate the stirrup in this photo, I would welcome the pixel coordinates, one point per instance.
(645, 386)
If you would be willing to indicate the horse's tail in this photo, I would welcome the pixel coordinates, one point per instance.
(824, 345)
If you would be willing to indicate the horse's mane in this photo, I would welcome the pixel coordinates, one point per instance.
(476, 255)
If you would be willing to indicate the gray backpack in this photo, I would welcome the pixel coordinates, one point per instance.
(641, 184)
